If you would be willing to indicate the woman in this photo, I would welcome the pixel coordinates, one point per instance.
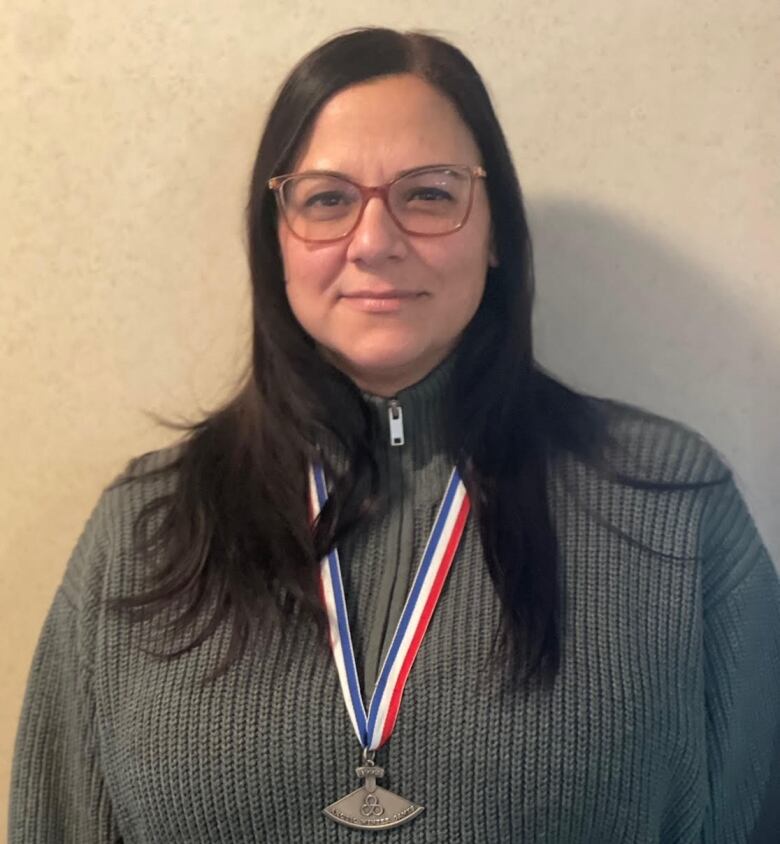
(603, 662)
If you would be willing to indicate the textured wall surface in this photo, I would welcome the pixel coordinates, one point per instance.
(645, 136)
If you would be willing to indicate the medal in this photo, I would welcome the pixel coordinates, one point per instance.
(370, 806)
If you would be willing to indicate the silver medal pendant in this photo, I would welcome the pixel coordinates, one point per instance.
(372, 807)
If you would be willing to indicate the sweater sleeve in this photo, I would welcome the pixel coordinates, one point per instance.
(57, 790)
(741, 602)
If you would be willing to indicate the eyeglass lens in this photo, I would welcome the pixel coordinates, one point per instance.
(321, 207)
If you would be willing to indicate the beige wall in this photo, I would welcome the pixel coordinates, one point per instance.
(646, 136)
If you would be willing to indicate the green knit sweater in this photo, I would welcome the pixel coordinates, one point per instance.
(660, 726)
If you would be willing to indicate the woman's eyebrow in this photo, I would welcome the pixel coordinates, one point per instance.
(409, 170)
(400, 173)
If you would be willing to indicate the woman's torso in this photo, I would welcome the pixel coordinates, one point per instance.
(614, 752)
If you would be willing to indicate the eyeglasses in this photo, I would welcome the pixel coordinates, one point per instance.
(321, 206)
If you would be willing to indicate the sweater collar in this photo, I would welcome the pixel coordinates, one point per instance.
(418, 411)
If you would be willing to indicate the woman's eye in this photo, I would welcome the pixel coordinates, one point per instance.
(327, 199)
(428, 194)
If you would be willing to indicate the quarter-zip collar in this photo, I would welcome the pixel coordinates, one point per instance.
(415, 417)
(414, 469)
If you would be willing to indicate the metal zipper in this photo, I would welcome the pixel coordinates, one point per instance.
(399, 542)
(396, 415)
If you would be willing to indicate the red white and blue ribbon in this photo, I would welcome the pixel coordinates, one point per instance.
(374, 728)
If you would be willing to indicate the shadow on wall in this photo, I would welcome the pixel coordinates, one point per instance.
(621, 313)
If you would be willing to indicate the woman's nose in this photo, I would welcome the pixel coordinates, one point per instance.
(377, 236)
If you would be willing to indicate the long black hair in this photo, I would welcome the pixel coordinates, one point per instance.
(231, 538)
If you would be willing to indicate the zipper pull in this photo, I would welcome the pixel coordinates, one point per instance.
(396, 415)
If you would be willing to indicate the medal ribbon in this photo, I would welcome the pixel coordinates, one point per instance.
(374, 729)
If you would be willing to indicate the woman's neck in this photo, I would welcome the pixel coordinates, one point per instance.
(388, 382)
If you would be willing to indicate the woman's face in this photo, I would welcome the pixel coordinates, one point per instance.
(384, 306)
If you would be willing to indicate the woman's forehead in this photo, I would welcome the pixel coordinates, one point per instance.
(388, 124)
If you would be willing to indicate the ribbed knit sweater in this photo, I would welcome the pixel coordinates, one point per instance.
(659, 728)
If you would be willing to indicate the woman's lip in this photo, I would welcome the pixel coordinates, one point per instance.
(384, 302)
(381, 294)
